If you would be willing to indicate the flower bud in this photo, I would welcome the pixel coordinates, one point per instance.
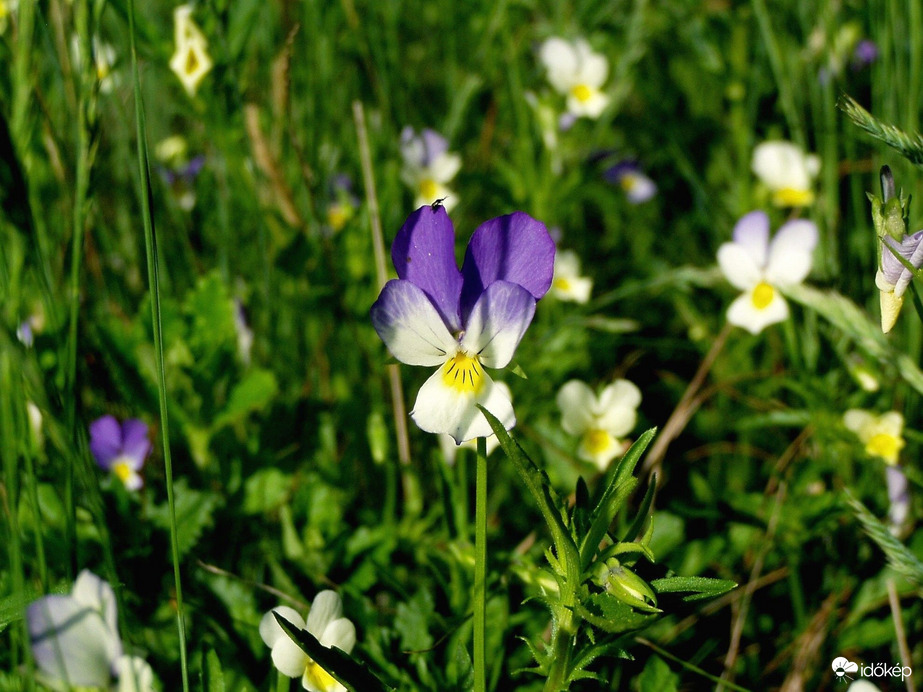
(625, 585)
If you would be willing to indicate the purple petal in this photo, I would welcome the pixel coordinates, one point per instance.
(615, 173)
(752, 232)
(424, 254)
(891, 267)
(497, 322)
(105, 440)
(135, 443)
(191, 170)
(514, 248)
(434, 146)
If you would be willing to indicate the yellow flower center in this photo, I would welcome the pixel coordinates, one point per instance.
(790, 197)
(762, 295)
(192, 62)
(319, 677)
(463, 373)
(122, 471)
(596, 441)
(562, 284)
(628, 182)
(885, 446)
(428, 189)
(582, 93)
(338, 215)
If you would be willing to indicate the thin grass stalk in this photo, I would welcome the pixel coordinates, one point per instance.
(480, 568)
(776, 62)
(899, 633)
(153, 271)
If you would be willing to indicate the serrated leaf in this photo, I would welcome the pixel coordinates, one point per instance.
(411, 621)
(348, 672)
(265, 490)
(701, 587)
(253, 393)
(193, 514)
(657, 677)
(609, 614)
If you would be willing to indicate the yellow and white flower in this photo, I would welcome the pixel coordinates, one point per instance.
(759, 268)
(568, 284)
(881, 435)
(326, 622)
(428, 167)
(787, 171)
(191, 61)
(599, 421)
(577, 72)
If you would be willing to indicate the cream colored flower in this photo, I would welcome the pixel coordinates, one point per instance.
(191, 61)
(428, 167)
(326, 623)
(599, 421)
(881, 435)
(568, 284)
(787, 171)
(577, 72)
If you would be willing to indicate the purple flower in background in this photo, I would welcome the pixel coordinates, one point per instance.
(628, 175)
(898, 497)
(864, 54)
(120, 449)
(462, 321)
(429, 166)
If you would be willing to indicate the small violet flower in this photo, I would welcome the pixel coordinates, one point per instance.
(191, 61)
(787, 171)
(120, 449)
(178, 170)
(568, 284)
(327, 624)
(864, 54)
(638, 187)
(599, 421)
(462, 321)
(881, 435)
(343, 206)
(75, 639)
(429, 166)
(577, 72)
(759, 268)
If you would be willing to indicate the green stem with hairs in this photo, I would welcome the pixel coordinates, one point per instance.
(480, 568)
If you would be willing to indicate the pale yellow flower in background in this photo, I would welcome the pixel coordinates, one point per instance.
(599, 421)
(191, 61)
(787, 171)
(881, 435)
(568, 284)
(579, 73)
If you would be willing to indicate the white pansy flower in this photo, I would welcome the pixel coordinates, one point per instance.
(599, 421)
(760, 268)
(428, 167)
(577, 72)
(191, 61)
(881, 435)
(326, 623)
(787, 171)
(568, 284)
(450, 447)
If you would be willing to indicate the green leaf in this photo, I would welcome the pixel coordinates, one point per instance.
(701, 587)
(265, 490)
(899, 556)
(211, 677)
(211, 311)
(638, 524)
(608, 613)
(193, 514)
(657, 677)
(341, 666)
(411, 621)
(253, 393)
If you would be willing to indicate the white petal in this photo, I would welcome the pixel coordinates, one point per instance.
(271, 631)
(891, 423)
(497, 323)
(860, 422)
(594, 68)
(443, 409)
(445, 167)
(600, 452)
(752, 233)
(409, 324)
(590, 108)
(135, 674)
(288, 658)
(93, 592)
(340, 633)
(577, 403)
(782, 165)
(743, 313)
(618, 403)
(326, 608)
(738, 266)
(560, 59)
(791, 253)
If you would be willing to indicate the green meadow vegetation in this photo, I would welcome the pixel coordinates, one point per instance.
(212, 405)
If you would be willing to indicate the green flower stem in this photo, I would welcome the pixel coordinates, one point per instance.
(153, 273)
(562, 649)
(480, 568)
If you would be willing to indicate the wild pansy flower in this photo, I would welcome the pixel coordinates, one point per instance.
(344, 205)
(627, 174)
(449, 447)
(462, 321)
(881, 435)
(327, 624)
(103, 58)
(599, 421)
(787, 171)
(568, 284)
(191, 61)
(759, 268)
(178, 170)
(75, 640)
(429, 166)
(120, 449)
(577, 72)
